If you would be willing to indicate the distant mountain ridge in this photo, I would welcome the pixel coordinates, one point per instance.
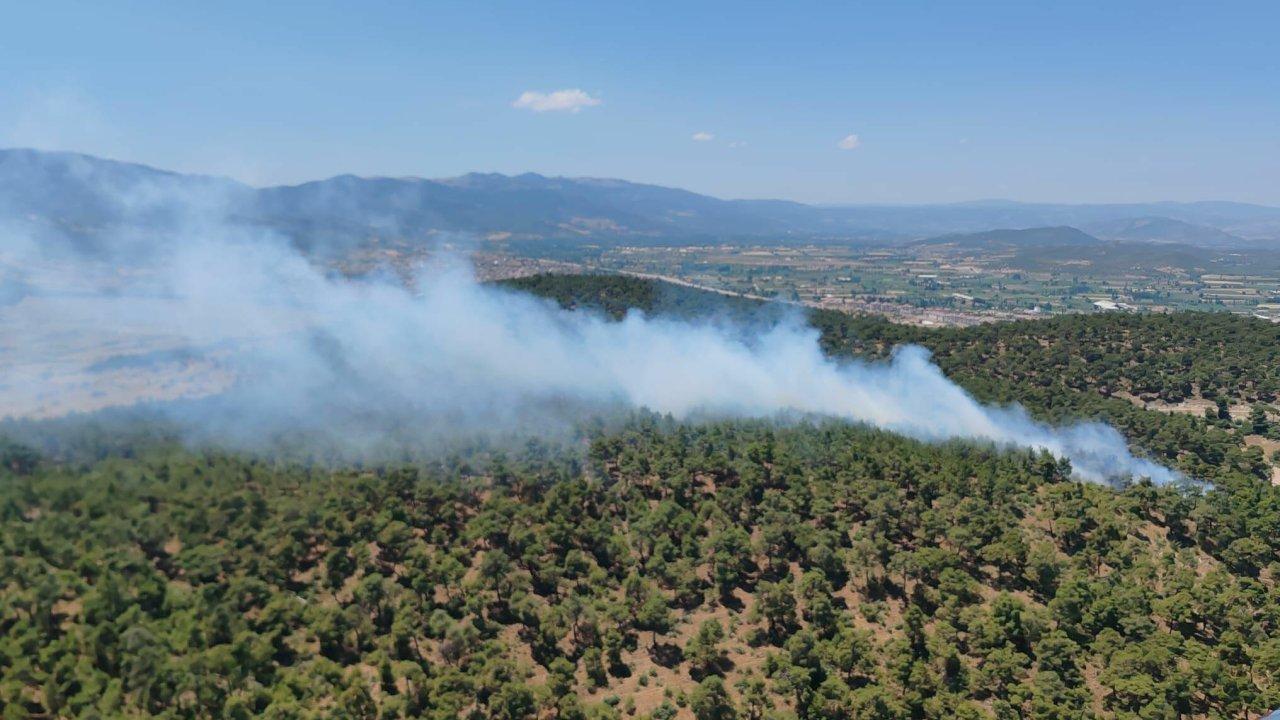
(1061, 236)
(1163, 229)
(85, 195)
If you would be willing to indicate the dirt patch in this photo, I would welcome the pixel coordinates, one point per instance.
(68, 610)
(523, 655)
(1190, 406)
(1269, 447)
(172, 546)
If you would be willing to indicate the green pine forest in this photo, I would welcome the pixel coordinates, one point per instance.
(646, 568)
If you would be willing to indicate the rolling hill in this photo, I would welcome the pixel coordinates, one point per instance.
(1164, 230)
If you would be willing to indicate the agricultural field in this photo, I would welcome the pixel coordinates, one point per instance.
(948, 285)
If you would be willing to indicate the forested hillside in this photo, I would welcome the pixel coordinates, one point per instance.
(1170, 357)
(1104, 365)
(653, 569)
(732, 570)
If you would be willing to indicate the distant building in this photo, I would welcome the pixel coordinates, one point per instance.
(1111, 305)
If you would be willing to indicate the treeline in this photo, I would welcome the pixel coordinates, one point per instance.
(615, 295)
(734, 570)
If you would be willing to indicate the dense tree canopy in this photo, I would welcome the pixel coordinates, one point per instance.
(649, 568)
(720, 570)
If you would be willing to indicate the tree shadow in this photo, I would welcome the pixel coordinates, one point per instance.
(721, 667)
(668, 655)
(732, 602)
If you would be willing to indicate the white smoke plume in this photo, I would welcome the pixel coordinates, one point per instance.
(280, 345)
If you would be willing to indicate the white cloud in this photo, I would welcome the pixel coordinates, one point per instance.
(703, 136)
(850, 142)
(571, 100)
(737, 143)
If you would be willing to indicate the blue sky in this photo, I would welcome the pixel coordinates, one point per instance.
(1072, 101)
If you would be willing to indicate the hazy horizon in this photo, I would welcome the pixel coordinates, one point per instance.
(671, 185)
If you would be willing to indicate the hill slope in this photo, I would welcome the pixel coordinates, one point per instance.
(652, 569)
(704, 571)
(1165, 230)
(1105, 366)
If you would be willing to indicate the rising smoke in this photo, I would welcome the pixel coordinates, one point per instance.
(281, 345)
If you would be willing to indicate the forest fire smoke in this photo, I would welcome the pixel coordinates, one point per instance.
(345, 359)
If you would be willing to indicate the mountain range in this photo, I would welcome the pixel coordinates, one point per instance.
(87, 196)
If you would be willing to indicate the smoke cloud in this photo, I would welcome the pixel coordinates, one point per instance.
(202, 306)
